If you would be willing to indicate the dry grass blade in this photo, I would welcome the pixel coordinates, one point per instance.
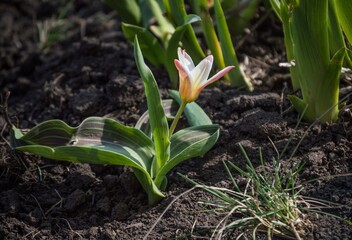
(269, 203)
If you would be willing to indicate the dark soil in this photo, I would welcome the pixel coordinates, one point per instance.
(91, 71)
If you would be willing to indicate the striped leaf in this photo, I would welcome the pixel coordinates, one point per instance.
(170, 108)
(194, 113)
(188, 143)
(101, 134)
(96, 141)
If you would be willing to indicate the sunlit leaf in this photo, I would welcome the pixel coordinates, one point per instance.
(188, 143)
(158, 122)
(170, 108)
(237, 78)
(96, 141)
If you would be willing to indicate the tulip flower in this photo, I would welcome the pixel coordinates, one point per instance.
(193, 79)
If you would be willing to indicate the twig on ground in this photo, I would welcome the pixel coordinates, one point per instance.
(40, 207)
(54, 206)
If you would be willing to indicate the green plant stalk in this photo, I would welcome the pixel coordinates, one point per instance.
(212, 40)
(276, 5)
(336, 38)
(177, 118)
(171, 54)
(319, 76)
(282, 11)
(211, 37)
(344, 13)
(158, 121)
(153, 198)
(172, 46)
(349, 58)
(167, 5)
(189, 41)
(336, 41)
(289, 46)
(237, 78)
(129, 10)
(165, 27)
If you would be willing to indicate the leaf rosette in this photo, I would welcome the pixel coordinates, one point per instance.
(147, 148)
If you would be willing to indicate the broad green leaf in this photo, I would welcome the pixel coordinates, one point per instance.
(158, 121)
(95, 134)
(170, 108)
(15, 135)
(96, 141)
(194, 113)
(285, 17)
(188, 143)
(237, 78)
(150, 46)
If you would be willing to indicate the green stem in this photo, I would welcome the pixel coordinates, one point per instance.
(177, 117)
(165, 26)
